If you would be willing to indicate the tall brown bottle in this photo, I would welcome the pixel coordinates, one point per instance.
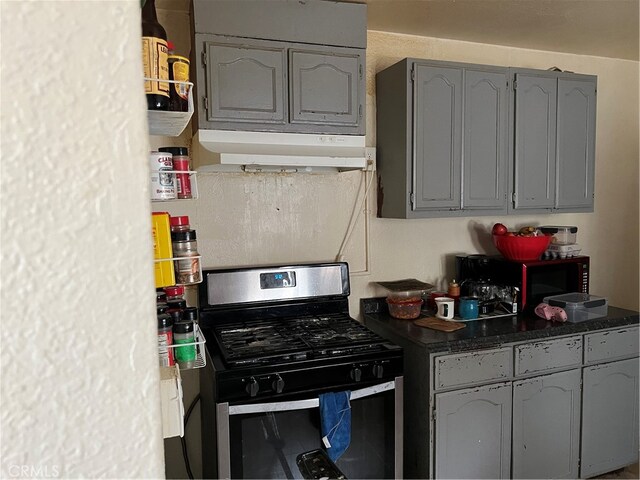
(154, 58)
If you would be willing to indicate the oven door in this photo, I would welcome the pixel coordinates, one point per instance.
(263, 440)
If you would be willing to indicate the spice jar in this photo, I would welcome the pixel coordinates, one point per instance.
(162, 178)
(180, 163)
(186, 249)
(183, 332)
(165, 337)
(454, 292)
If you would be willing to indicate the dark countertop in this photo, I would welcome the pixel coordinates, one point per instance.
(482, 333)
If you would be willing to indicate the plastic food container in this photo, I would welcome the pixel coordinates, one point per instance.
(404, 308)
(562, 235)
(579, 306)
(556, 250)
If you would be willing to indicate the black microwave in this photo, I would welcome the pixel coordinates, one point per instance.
(535, 279)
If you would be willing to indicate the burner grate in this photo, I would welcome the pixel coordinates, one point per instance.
(262, 342)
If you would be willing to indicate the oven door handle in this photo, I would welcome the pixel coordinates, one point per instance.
(307, 403)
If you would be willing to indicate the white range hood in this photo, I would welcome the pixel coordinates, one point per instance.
(278, 151)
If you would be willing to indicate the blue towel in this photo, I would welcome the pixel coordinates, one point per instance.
(335, 422)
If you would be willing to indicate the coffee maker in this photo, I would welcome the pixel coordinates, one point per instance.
(477, 279)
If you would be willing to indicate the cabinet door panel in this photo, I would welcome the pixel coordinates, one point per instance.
(535, 140)
(324, 87)
(437, 137)
(546, 426)
(609, 417)
(245, 83)
(485, 139)
(473, 433)
(575, 143)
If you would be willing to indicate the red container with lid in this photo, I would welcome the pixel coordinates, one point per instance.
(180, 158)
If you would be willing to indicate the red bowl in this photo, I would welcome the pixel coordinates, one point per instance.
(521, 249)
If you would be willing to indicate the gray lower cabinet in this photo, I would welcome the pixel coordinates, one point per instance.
(609, 417)
(442, 136)
(554, 141)
(546, 426)
(279, 86)
(473, 432)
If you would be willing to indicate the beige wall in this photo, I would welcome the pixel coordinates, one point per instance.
(79, 382)
(245, 219)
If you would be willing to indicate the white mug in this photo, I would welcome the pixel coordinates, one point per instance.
(445, 308)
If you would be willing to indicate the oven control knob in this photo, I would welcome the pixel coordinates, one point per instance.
(252, 387)
(378, 370)
(278, 384)
(356, 374)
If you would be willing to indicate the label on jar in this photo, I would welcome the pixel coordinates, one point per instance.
(163, 186)
(180, 73)
(156, 65)
(166, 354)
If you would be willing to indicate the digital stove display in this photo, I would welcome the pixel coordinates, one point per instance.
(277, 280)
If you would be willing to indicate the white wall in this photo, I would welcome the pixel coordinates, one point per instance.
(79, 382)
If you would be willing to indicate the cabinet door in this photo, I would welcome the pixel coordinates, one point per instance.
(245, 83)
(485, 140)
(609, 417)
(535, 141)
(575, 143)
(473, 432)
(437, 136)
(546, 426)
(324, 86)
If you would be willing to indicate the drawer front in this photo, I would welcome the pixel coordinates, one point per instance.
(472, 368)
(611, 345)
(548, 355)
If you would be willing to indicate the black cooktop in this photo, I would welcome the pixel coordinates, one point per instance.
(274, 341)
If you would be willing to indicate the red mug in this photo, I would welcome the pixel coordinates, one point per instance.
(431, 300)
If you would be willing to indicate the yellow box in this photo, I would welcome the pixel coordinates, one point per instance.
(165, 275)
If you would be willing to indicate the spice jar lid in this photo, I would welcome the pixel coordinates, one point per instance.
(177, 304)
(179, 221)
(176, 291)
(164, 321)
(186, 236)
(175, 314)
(161, 297)
(183, 151)
(183, 327)
(190, 314)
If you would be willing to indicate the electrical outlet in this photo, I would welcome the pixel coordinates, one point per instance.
(370, 155)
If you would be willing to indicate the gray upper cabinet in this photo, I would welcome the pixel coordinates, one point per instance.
(326, 86)
(245, 83)
(535, 137)
(437, 130)
(280, 66)
(486, 109)
(554, 141)
(442, 133)
(576, 143)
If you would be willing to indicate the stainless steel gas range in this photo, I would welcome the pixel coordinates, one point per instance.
(278, 339)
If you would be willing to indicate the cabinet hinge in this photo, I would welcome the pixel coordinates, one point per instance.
(360, 71)
(413, 74)
(205, 103)
(412, 200)
(360, 111)
(204, 59)
(515, 84)
(433, 414)
(513, 198)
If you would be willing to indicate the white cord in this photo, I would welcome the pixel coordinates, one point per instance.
(352, 224)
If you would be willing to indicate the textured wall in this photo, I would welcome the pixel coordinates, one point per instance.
(79, 383)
